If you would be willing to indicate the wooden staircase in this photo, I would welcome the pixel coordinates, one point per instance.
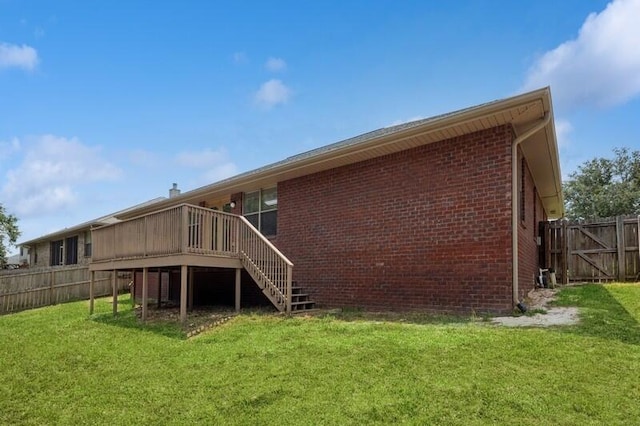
(300, 302)
(270, 270)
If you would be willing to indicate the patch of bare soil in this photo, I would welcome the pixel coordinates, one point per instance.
(538, 299)
(198, 319)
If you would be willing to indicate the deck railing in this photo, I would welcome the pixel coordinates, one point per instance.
(188, 229)
(269, 268)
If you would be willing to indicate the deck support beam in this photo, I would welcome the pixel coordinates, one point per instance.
(190, 291)
(114, 285)
(238, 282)
(183, 293)
(92, 280)
(145, 292)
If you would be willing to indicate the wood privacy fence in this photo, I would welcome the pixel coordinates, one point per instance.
(25, 289)
(598, 251)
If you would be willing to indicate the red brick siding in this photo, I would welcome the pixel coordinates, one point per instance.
(426, 228)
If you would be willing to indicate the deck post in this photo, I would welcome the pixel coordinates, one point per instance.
(92, 279)
(183, 293)
(238, 282)
(145, 292)
(190, 291)
(114, 285)
(132, 288)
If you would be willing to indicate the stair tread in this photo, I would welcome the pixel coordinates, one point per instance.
(305, 302)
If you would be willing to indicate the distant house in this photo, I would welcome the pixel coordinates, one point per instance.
(16, 260)
(69, 246)
(437, 214)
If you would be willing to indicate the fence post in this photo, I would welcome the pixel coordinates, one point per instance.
(565, 253)
(52, 283)
(620, 240)
(114, 284)
(92, 280)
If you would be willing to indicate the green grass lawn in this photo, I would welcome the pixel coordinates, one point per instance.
(58, 366)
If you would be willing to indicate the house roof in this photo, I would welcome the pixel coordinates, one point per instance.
(522, 111)
(103, 220)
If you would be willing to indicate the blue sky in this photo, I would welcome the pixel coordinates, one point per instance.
(105, 104)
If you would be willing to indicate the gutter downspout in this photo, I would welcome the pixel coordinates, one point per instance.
(514, 199)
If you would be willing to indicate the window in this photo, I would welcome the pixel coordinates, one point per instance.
(261, 209)
(57, 252)
(71, 250)
(64, 252)
(87, 243)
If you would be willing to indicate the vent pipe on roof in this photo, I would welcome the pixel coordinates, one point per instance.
(174, 191)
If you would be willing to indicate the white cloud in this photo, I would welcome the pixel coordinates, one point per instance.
(51, 171)
(11, 55)
(272, 93)
(275, 64)
(601, 66)
(216, 164)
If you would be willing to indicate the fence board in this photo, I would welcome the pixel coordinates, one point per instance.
(598, 251)
(27, 289)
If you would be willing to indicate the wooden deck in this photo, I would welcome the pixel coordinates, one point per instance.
(185, 236)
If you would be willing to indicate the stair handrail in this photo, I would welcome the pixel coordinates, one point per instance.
(272, 249)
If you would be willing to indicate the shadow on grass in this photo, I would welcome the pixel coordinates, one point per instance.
(129, 320)
(601, 315)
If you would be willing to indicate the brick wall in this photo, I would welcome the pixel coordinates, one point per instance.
(426, 228)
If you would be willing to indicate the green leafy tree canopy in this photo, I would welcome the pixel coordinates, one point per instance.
(604, 187)
(9, 233)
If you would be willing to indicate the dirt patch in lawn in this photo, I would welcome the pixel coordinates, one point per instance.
(198, 319)
(537, 300)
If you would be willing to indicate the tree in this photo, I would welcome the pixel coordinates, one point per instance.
(604, 187)
(9, 233)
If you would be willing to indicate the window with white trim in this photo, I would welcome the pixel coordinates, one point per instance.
(57, 253)
(261, 209)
